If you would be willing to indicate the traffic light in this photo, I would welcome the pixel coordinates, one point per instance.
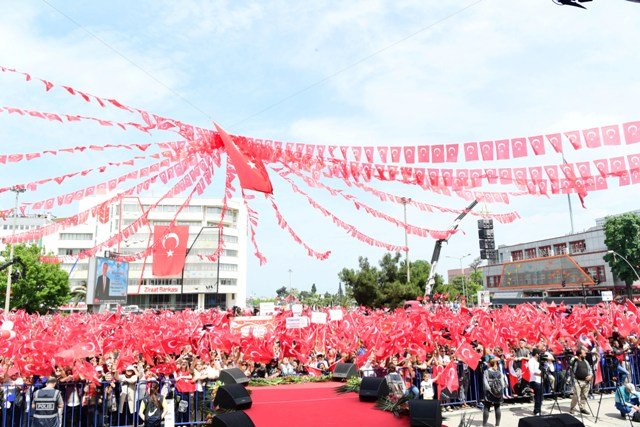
(485, 239)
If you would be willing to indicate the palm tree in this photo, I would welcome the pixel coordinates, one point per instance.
(78, 293)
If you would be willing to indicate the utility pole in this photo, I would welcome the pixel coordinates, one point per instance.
(16, 190)
(290, 273)
(404, 201)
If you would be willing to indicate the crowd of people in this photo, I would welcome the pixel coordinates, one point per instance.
(100, 389)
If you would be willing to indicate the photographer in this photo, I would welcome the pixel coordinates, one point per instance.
(582, 376)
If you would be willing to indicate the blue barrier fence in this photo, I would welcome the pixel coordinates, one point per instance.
(107, 405)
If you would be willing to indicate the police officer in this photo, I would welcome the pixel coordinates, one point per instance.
(47, 405)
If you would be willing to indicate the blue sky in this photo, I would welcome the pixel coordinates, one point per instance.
(499, 69)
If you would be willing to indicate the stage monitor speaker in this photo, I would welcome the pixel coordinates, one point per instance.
(425, 413)
(372, 388)
(232, 396)
(559, 420)
(232, 419)
(233, 376)
(344, 371)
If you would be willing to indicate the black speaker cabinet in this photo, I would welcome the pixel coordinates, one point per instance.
(232, 419)
(559, 420)
(232, 396)
(425, 413)
(233, 376)
(372, 388)
(344, 371)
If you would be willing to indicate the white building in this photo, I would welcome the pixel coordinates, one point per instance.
(556, 266)
(198, 286)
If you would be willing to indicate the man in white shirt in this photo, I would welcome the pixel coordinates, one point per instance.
(536, 380)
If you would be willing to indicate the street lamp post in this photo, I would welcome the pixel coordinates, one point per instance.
(614, 253)
(290, 271)
(16, 190)
(464, 278)
(404, 201)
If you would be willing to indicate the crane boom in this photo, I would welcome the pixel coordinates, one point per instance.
(438, 247)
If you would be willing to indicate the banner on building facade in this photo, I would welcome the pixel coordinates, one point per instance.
(108, 279)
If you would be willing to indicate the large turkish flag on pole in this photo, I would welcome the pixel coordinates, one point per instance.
(170, 250)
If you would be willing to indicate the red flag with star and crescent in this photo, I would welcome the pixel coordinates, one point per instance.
(251, 171)
(170, 249)
(468, 355)
(449, 377)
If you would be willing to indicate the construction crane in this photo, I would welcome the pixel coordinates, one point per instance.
(438, 247)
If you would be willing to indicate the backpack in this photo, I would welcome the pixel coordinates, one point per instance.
(151, 410)
(495, 385)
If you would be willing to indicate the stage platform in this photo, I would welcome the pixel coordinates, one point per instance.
(315, 405)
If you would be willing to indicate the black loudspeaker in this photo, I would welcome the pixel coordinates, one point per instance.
(345, 371)
(233, 376)
(372, 388)
(559, 420)
(232, 396)
(232, 419)
(425, 413)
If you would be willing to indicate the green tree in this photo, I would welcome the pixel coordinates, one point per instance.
(622, 235)
(361, 285)
(384, 286)
(44, 287)
(282, 292)
(314, 290)
(340, 291)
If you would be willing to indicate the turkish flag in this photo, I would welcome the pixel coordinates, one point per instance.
(452, 153)
(631, 132)
(584, 168)
(537, 144)
(423, 154)
(611, 135)
(634, 162)
(251, 171)
(502, 149)
(603, 167)
(395, 154)
(382, 151)
(437, 153)
(449, 377)
(556, 142)
(468, 355)
(368, 152)
(574, 139)
(471, 151)
(170, 249)
(592, 137)
(519, 147)
(409, 154)
(486, 149)
(617, 166)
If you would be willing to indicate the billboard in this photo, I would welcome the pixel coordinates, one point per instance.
(557, 271)
(107, 281)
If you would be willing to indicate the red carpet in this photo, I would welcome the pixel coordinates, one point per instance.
(315, 405)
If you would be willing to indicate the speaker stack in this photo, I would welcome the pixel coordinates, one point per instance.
(344, 371)
(425, 413)
(559, 420)
(233, 376)
(372, 389)
(232, 419)
(232, 397)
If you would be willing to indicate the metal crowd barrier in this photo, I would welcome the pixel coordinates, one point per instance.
(104, 406)
(562, 380)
